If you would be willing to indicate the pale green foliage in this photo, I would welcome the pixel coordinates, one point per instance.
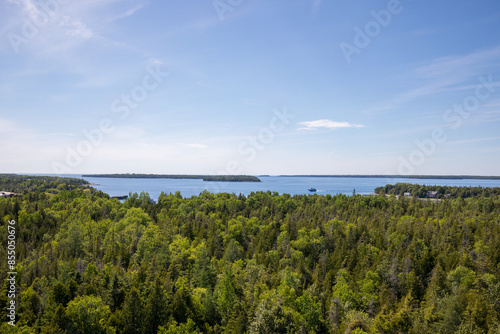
(369, 288)
(5, 328)
(348, 298)
(308, 241)
(272, 317)
(149, 243)
(90, 314)
(174, 328)
(358, 322)
(462, 278)
(289, 285)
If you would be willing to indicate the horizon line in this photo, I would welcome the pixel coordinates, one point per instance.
(416, 176)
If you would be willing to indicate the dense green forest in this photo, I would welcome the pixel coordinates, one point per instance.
(214, 178)
(263, 263)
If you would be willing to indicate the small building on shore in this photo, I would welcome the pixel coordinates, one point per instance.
(7, 194)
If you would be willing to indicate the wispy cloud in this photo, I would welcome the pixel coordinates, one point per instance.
(445, 74)
(71, 26)
(327, 124)
(474, 140)
(461, 66)
(129, 12)
(66, 26)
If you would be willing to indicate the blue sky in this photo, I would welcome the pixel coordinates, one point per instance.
(250, 87)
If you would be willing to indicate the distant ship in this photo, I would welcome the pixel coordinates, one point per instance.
(120, 197)
(312, 189)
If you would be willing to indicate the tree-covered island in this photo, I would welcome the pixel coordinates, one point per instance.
(214, 178)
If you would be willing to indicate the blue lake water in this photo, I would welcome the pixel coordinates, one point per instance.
(281, 184)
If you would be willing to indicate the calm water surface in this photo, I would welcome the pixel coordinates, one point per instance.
(280, 184)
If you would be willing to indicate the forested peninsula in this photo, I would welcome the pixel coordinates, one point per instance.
(423, 177)
(262, 263)
(440, 192)
(31, 183)
(214, 178)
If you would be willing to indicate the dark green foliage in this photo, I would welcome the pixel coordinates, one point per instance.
(204, 274)
(61, 294)
(155, 313)
(133, 313)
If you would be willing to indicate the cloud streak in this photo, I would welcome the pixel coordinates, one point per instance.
(129, 12)
(64, 26)
(327, 124)
(460, 67)
(445, 74)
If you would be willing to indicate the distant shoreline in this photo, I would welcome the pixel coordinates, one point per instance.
(208, 178)
(250, 178)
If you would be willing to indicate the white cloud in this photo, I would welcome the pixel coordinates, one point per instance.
(327, 124)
